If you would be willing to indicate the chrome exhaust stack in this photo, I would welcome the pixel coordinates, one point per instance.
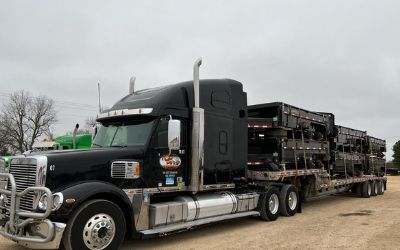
(196, 179)
(132, 85)
(74, 146)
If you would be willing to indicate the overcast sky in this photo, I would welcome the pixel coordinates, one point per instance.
(336, 56)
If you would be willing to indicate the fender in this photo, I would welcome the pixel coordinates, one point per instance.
(82, 192)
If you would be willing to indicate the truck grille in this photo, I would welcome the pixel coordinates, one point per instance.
(118, 169)
(25, 176)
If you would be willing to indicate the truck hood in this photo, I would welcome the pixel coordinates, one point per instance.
(71, 166)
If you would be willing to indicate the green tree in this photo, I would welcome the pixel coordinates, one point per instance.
(396, 155)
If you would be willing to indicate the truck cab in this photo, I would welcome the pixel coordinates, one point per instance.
(142, 155)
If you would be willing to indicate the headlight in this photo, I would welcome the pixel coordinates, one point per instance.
(3, 170)
(2, 200)
(58, 200)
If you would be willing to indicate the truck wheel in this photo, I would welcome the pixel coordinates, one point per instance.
(356, 189)
(289, 200)
(366, 189)
(269, 205)
(374, 190)
(96, 224)
(381, 188)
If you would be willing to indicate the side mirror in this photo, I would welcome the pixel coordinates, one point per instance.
(174, 134)
(95, 129)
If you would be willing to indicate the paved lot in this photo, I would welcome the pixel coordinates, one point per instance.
(335, 222)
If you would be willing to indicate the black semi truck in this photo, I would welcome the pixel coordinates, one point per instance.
(168, 159)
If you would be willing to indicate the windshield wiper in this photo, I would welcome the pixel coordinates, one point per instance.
(118, 146)
(98, 145)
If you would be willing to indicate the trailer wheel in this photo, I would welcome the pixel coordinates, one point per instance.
(96, 224)
(358, 189)
(366, 189)
(269, 206)
(374, 189)
(381, 188)
(289, 200)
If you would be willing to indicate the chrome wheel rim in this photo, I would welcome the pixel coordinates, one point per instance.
(99, 231)
(292, 200)
(273, 203)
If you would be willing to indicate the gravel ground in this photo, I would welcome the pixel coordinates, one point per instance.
(335, 222)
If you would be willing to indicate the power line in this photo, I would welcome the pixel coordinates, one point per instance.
(65, 104)
(75, 103)
(75, 115)
(78, 108)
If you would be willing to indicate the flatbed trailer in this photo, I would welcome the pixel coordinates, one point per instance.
(326, 186)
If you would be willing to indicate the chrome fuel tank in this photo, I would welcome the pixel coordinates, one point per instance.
(200, 206)
(208, 205)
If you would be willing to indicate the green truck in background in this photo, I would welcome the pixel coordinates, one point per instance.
(65, 142)
(83, 141)
(74, 141)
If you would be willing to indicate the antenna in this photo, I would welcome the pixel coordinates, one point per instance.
(98, 90)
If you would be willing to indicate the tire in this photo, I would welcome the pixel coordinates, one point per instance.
(366, 189)
(289, 200)
(95, 217)
(269, 206)
(356, 189)
(381, 188)
(374, 188)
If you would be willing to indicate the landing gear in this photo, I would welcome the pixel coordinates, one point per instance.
(357, 189)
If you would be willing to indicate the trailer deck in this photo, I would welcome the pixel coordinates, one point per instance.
(274, 176)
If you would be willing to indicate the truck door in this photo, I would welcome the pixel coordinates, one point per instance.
(169, 168)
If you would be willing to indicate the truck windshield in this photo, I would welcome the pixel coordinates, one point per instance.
(123, 134)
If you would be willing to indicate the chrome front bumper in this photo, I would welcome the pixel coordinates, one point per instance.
(42, 229)
(30, 229)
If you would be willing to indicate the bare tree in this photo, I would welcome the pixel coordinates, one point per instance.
(25, 118)
(90, 123)
(4, 140)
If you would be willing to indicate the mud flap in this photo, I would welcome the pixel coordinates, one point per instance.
(299, 210)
